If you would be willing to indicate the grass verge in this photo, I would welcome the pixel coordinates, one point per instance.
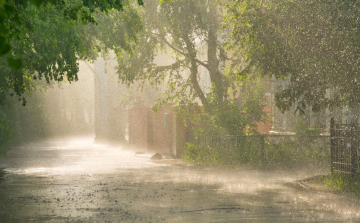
(334, 183)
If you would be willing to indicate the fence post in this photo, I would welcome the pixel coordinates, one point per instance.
(262, 151)
(332, 143)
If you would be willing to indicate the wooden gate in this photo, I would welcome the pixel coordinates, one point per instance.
(345, 152)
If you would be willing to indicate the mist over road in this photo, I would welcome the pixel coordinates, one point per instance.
(74, 180)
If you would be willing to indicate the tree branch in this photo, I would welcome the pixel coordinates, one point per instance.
(179, 51)
(194, 74)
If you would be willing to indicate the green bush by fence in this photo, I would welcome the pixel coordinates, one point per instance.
(259, 150)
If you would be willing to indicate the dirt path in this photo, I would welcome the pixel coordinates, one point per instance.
(74, 180)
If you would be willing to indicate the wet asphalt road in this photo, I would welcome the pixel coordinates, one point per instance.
(74, 180)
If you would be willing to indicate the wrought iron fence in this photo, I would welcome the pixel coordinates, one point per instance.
(270, 149)
(345, 151)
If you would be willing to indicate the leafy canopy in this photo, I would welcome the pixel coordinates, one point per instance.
(316, 43)
(41, 39)
(181, 45)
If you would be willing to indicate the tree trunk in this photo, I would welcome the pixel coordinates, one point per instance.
(213, 61)
(194, 72)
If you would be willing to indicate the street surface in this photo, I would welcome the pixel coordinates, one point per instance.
(74, 180)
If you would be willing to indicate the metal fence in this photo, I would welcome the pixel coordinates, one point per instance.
(345, 152)
(270, 149)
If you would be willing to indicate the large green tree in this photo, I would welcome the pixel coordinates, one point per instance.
(12, 17)
(46, 39)
(176, 28)
(190, 34)
(313, 43)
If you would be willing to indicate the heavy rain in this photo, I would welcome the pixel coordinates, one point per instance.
(179, 111)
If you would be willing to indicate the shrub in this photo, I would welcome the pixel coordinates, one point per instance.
(200, 155)
(283, 152)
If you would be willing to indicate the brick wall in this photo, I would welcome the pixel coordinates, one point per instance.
(140, 128)
(161, 132)
(164, 131)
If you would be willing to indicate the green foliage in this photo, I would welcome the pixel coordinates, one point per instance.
(44, 51)
(315, 42)
(300, 128)
(240, 115)
(201, 155)
(119, 30)
(236, 117)
(216, 133)
(12, 17)
(178, 48)
(274, 152)
(45, 39)
(337, 183)
(168, 49)
(14, 63)
(216, 152)
(295, 151)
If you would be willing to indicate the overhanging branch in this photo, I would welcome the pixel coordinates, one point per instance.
(179, 51)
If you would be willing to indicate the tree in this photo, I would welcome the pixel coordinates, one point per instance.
(315, 43)
(46, 40)
(12, 18)
(173, 27)
(188, 31)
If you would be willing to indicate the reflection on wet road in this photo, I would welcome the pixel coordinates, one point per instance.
(74, 180)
